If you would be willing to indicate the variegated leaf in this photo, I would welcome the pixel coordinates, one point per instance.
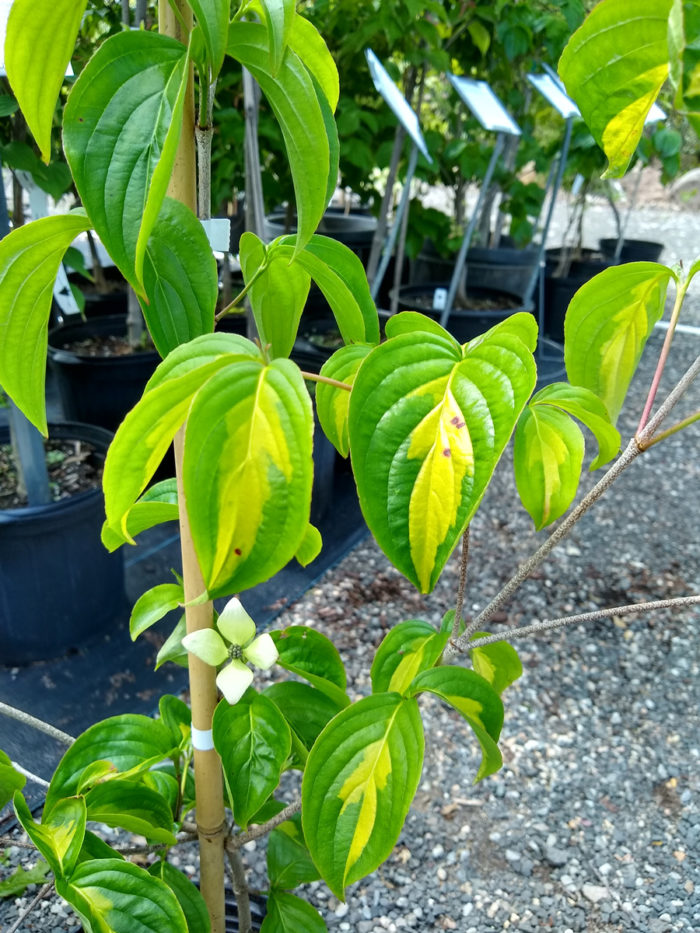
(332, 402)
(607, 325)
(249, 519)
(147, 431)
(478, 703)
(360, 779)
(121, 129)
(428, 423)
(409, 648)
(614, 67)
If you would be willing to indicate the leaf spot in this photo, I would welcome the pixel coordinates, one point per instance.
(447, 452)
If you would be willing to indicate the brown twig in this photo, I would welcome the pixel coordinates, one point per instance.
(42, 892)
(549, 625)
(240, 889)
(39, 724)
(255, 832)
(464, 561)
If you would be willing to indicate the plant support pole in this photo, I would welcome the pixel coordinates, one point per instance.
(203, 692)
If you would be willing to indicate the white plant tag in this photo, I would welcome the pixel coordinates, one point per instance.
(218, 231)
(439, 299)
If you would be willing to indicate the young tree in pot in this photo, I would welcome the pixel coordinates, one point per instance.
(426, 421)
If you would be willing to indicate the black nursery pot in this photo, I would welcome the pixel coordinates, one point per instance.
(98, 390)
(354, 230)
(633, 250)
(59, 587)
(491, 307)
(506, 268)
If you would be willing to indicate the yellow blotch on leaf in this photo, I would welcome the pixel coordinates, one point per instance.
(362, 786)
(442, 441)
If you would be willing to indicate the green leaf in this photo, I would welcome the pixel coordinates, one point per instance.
(614, 66)
(21, 878)
(548, 455)
(121, 129)
(8, 105)
(144, 436)
(332, 403)
(583, 404)
(278, 294)
(180, 279)
(411, 322)
(258, 421)
(10, 779)
(279, 16)
(132, 806)
(293, 99)
(607, 326)
(116, 896)
(684, 51)
(309, 654)
(358, 785)
(29, 259)
(157, 505)
(287, 913)
(94, 848)
(428, 423)
(176, 715)
(213, 19)
(187, 894)
(410, 647)
(498, 664)
(477, 701)
(172, 649)
(253, 740)
(288, 859)
(153, 605)
(340, 275)
(480, 36)
(59, 836)
(310, 547)
(306, 709)
(38, 47)
(307, 42)
(131, 742)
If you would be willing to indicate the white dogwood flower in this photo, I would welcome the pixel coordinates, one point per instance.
(237, 646)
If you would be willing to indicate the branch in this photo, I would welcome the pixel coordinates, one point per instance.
(551, 624)
(32, 777)
(240, 890)
(39, 724)
(464, 561)
(631, 452)
(43, 891)
(261, 829)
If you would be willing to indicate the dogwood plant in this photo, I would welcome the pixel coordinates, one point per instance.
(424, 419)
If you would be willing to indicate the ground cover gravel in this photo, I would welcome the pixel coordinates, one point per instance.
(593, 824)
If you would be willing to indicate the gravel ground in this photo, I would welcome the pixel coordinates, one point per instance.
(593, 824)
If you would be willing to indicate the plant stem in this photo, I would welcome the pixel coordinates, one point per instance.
(691, 419)
(35, 723)
(177, 23)
(633, 449)
(680, 295)
(34, 778)
(459, 607)
(42, 892)
(317, 377)
(240, 889)
(550, 624)
(261, 829)
(241, 295)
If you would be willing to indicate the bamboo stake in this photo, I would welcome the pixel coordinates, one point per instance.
(203, 693)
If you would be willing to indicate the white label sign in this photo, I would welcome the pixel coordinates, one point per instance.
(439, 299)
(554, 94)
(485, 106)
(398, 103)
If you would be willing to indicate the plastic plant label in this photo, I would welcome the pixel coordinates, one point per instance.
(439, 299)
(398, 103)
(554, 94)
(485, 106)
(218, 231)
